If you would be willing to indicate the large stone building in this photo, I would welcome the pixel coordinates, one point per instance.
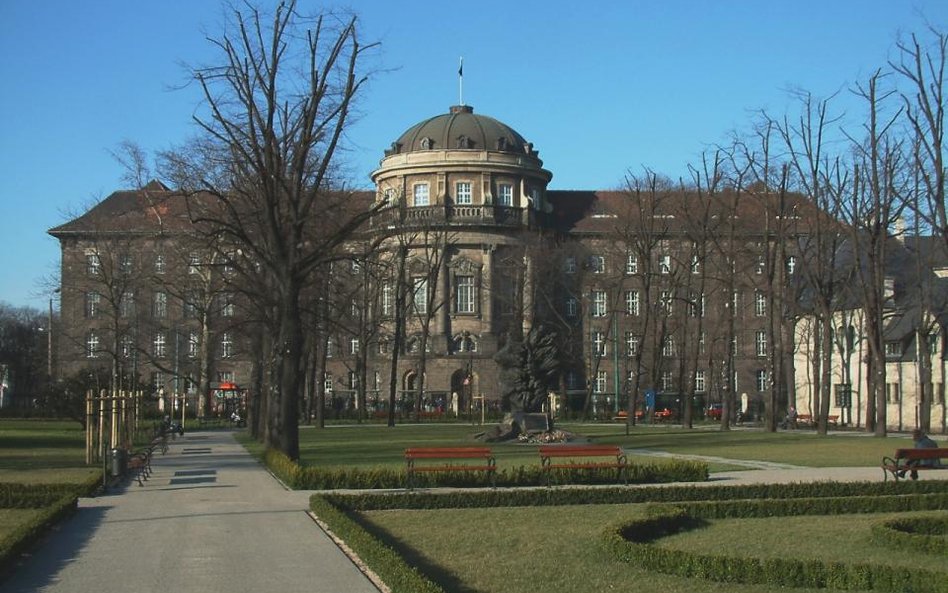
(653, 289)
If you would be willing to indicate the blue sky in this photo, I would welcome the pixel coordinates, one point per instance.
(599, 92)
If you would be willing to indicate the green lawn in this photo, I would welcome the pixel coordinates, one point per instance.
(42, 451)
(517, 550)
(375, 445)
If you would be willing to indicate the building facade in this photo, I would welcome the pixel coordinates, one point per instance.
(688, 297)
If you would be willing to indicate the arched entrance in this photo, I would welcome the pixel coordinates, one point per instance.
(463, 389)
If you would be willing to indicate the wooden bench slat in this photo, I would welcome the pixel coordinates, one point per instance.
(412, 454)
(906, 460)
(572, 452)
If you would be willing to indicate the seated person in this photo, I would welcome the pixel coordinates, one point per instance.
(923, 441)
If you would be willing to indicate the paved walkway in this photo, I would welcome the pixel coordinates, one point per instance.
(209, 519)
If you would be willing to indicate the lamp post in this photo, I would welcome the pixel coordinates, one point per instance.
(49, 338)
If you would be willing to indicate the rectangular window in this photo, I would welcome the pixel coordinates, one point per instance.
(194, 263)
(127, 346)
(465, 294)
(572, 380)
(597, 264)
(227, 345)
(601, 381)
(125, 264)
(569, 265)
(760, 342)
(893, 393)
(698, 304)
(194, 343)
(668, 381)
(353, 345)
(327, 382)
(598, 343)
(702, 342)
(668, 346)
(700, 386)
(665, 300)
(421, 194)
(631, 264)
(664, 264)
(791, 265)
(695, 265)
(760, 304)
(631, 344)
(572, 307)
(388, 300)
(92, 345)
(631, 302)
(599, 303)
(159, 264)
(735, 350)
(736, 301)
(92, 304)
(160, 308)
(228, 308)
(463, 193)
(761, 265)
(893, 349)
(127, 305)
(93, 264)
(330, 346)
(420, 294)
(763, 380)
(159, 345)
(505, 194)
(353, 380)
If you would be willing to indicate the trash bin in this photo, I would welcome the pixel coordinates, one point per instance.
(118, 462)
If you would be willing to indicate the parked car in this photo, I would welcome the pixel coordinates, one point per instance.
(714, 411)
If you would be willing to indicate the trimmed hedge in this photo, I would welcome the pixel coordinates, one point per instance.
(384, 561)
(21, 538)
(924, 534)
(631, 542)
(317, 478)
(339, 512)
(56, 502)
(749, 496)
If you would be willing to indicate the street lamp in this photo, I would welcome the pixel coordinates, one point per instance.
(49, 338)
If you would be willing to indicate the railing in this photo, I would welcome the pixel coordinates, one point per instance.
(453, 214)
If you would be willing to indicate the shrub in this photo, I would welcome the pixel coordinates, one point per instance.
(632, 542)
(925, 534)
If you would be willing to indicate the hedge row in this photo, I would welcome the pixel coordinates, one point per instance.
(338, 511)
(925, 534)
(748, 496)
(384, 561)
(631, 542)
(34, 496)
(317, 478)
(22, 537)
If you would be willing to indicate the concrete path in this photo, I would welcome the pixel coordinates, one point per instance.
(209, 519)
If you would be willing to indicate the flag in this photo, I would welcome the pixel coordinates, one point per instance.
(461, 67)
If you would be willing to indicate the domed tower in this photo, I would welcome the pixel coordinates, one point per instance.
(458, 192)
(464, 159)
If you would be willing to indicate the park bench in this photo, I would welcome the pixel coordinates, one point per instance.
(139, 462)
(810, 421)
(623, 415)
(582, 457)
(910, 460)
(479, 459)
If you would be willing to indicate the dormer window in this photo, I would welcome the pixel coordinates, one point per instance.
(464, 142)
(426, 143)
(502, 143)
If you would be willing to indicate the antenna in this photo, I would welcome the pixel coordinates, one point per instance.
(461, 81)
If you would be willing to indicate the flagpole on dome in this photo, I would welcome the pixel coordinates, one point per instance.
(461, 81)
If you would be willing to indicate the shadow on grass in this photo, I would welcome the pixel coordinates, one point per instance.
(446, 579)
(40, 566)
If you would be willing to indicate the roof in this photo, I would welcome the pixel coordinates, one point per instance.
(461, 129)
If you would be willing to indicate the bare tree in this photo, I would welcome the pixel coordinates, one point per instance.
(278, 104)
